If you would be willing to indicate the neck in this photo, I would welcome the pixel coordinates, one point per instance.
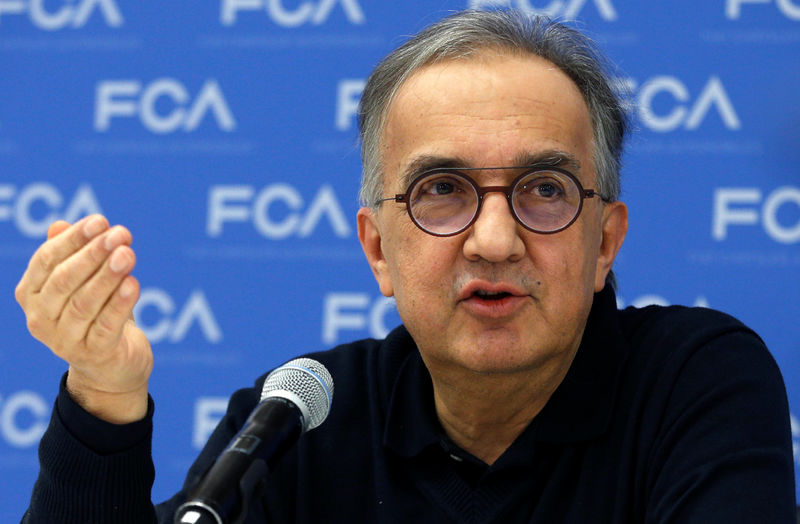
(484, 413)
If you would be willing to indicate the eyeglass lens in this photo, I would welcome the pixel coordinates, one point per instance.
(443, 203)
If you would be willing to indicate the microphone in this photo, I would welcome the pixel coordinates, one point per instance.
(296, 398)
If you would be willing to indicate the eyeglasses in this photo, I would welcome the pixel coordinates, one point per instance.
(445, 201)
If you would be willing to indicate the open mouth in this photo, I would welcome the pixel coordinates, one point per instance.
(487, 300)
(491, 295)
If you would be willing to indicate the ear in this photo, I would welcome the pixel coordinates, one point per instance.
(615, 225)
(371, 242)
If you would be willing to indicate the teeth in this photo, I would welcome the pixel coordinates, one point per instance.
(482, 293)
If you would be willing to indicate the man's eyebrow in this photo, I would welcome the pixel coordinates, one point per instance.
(425, 163)
(549, 157)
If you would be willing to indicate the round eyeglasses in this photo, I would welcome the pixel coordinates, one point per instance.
(445, 201)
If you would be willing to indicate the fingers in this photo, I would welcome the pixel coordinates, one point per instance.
(103, 302)
(55, 250)
(56, 228)
(77, 283)
(110, 322)
(61, 287)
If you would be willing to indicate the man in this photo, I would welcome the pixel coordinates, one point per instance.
(515, 391)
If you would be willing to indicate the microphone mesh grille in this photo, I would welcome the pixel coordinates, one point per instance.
(306, 380)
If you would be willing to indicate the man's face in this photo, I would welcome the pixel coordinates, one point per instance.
(492, 110)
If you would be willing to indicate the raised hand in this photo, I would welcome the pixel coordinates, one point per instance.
(78, 297)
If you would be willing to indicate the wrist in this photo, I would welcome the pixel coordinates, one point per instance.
(116, 407)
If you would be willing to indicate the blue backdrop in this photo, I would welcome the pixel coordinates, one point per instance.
(222, 133)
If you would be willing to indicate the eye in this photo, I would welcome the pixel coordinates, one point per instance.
(440, 185)
(544, 188)
(442, 188)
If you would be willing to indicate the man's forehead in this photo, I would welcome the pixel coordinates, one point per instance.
(489, 57)
(450, 114)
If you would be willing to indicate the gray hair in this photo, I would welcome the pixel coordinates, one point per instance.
(466, 34)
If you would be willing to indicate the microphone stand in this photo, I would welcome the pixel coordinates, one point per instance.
(247, 458)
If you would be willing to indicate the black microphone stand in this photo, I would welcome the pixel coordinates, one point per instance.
(247, 458)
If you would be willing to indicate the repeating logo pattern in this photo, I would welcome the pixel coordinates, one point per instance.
(224, 137)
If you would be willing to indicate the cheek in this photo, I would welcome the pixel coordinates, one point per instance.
(422, 267)
(566, 265)
(570, 292)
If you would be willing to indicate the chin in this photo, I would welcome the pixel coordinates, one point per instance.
(501, 358)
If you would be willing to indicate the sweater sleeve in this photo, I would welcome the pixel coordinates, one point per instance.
(92, 470)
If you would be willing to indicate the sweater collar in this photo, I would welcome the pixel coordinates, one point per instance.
(580, 409)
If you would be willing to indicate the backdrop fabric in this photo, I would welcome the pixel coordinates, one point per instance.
(222, 134)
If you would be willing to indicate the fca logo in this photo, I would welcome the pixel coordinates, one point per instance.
(126, 98)
(172, 323)
(683, 109)
(569, 9)
(356, 312)
(245, 203)
(23, 418)
(23, 206)
(316, 12)
(743, 206)
(733, 8)
(66, 15)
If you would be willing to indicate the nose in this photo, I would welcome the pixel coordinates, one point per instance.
(494, 236)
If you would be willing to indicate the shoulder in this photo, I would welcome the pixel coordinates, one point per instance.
(678, 323)
(698, 360)
(678, 334)
(710, 408)
(678, 356)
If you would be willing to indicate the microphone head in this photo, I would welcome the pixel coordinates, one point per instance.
(307, 384)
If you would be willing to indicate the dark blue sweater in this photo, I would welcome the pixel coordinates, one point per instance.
(667, 415)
